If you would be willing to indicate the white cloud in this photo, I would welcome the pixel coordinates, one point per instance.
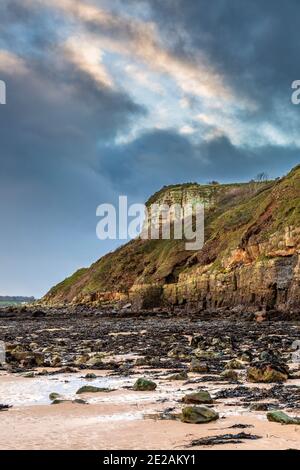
(187, 130)
(145, 80)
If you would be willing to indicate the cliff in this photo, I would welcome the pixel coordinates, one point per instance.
(250, 256)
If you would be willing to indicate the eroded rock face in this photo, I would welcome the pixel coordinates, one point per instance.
(263, 276)
(268, 284)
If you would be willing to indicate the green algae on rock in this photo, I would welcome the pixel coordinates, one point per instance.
(282, 418)
(201, 397)
(235, 364)
(198, 415)
(179, 376)
(230, 374)
(266, 374)
(92, 389)
(144, 385)
(54, 396)
(198, 366)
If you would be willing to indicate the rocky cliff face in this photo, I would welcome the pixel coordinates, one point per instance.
(250, 257)
(267, 281)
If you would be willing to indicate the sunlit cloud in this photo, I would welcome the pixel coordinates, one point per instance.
(87, 55)
(140, 39)
(11, 63)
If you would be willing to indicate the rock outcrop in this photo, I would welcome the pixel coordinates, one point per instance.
(250, 258)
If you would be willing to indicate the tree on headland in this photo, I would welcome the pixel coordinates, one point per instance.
(261, 177)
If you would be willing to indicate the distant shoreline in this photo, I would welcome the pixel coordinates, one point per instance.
(6, 300)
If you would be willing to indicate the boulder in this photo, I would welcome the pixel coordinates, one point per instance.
(266, 374)
(79, 401)
(198, 415)
(54, 396)
(230, 374)
(90, 389)
(201, 397)
(235, 364)
(95, 361)
(29, 375)
(83, 359)
(261, 406)
(246, 357)
(144, 385)
(55, 360)
(25, 358)
(58, 401)
(179, 352)
(198, 366)
(270, 368)
(180, 376)
(282, 418)
(202, 354)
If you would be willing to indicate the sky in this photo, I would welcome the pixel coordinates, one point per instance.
(109, 97)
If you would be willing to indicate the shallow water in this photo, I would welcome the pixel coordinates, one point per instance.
(21, 391)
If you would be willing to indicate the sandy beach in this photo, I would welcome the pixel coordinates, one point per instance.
(120, 419)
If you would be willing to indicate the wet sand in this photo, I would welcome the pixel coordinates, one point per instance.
(118, 420)
(68, 426)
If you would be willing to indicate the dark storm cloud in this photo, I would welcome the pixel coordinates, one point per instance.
(48, 191)
(255, 43)
(28, 30)
(159, 158)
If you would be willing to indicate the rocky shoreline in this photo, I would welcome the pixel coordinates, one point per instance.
(213, 368)
(83, 337)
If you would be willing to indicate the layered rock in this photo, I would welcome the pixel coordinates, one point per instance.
(268, 281)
